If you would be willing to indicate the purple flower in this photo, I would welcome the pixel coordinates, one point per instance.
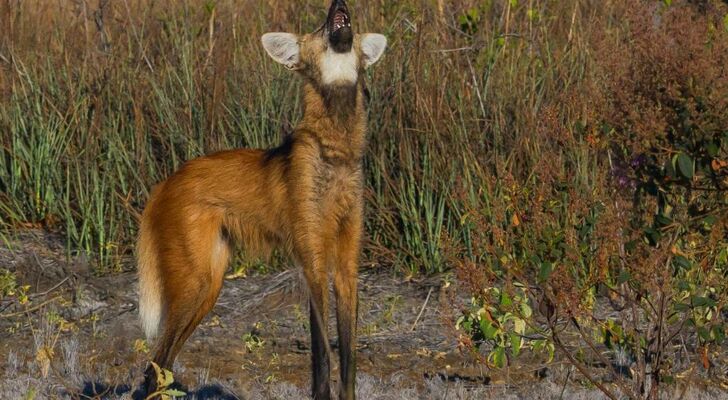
(623, 181)
(622, 178)
(638, 161)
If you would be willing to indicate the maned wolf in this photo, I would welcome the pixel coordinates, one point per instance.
(304, 197)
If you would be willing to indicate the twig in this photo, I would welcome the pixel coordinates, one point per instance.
(30, 309)
(422, 309)
(566, 381)
(6, 306)
(687, 383)
(581, 368)
(34, 295)
(126, 203)
(603, 360)
(454, 50)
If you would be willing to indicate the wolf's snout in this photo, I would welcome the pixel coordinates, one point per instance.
(338, 27)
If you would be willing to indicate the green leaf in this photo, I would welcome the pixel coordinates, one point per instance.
(519, 326)
(505, 300)
(630, 246)
(700, 301)
(712, 149)
(681, 263)
(526, 311)
(467, 325)
(624, 276)
(662, 220)
(718, 332)
(174, 392)
(704, 333)
(168, 378)
(545, 272)
(709, 221)
(158, 372)
(618, 332)
(685, 165)
(682, 307)
(722, 258)
(653, 236)
(489, 330)
(516, 343)
(551, 349)
(498, 357)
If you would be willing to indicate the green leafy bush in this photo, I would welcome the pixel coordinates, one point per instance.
(616, 228)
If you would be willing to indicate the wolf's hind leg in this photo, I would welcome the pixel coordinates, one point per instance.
(192, 286)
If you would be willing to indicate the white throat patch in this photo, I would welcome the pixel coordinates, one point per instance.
(338, 67)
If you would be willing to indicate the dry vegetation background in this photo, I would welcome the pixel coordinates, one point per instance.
(566, 161)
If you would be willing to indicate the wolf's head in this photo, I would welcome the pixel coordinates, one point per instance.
(332, 56)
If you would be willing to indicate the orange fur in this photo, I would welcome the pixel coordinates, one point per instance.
(304, 197)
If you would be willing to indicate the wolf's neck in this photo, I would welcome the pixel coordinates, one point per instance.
(336, 113)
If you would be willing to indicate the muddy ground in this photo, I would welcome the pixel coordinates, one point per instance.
(78, 337)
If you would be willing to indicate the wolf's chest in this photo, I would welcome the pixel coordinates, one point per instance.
(338, 188)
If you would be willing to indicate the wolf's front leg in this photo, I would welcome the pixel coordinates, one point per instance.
(319, 317)
(345, 287)
(311, 256)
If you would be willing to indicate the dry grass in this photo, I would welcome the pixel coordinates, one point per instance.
(103, 99)
(579, 146)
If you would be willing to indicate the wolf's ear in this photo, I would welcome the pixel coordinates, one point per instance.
(283, 48)
(372, 47)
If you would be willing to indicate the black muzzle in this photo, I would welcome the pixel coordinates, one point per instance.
(338, 27)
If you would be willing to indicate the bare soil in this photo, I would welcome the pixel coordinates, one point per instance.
(79, 337)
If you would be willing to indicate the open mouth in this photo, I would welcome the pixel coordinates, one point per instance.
(338, 27)
(340, 20)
